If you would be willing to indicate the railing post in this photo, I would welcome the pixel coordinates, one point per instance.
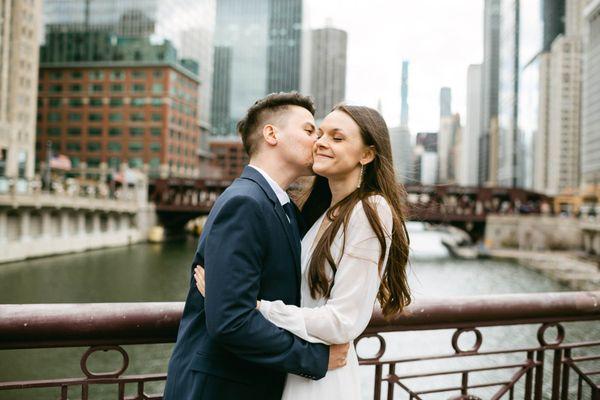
(565, 375)
(391, 384)
(556, 374)
(528, 376)
(539, 375)
(377, 383)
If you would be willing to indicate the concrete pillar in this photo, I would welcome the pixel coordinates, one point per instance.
(46, 223)
(110, 225)
(3, 227)
(25, 223)
(96, 223)
(81, 223)
(64, 223)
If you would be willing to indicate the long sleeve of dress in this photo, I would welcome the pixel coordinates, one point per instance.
(348, 310)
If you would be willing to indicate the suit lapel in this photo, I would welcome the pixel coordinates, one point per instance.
(254, 175)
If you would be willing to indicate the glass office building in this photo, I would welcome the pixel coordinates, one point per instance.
(133, 30)
(258, 47)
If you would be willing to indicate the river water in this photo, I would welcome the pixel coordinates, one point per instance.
(159, 272)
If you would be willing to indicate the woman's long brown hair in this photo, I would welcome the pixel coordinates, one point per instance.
(378, 179)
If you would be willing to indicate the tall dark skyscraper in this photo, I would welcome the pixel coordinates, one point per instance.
(285, 40)
(328, 68)
(404, 93)
(489, 109)
(264, 42)
(445, 102)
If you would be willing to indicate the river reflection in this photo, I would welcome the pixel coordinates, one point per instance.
(160, 272)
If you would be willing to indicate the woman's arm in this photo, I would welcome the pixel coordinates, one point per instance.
(348, 309)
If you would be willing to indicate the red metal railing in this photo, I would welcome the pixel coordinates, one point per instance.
(516, 371)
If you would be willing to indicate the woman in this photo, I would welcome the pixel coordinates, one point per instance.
(355, 252)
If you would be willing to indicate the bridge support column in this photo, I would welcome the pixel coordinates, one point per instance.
(80, 223)
(596, 243)
(110, 223)
(3, 227)
(64, 223)
(96, 224)
(46, 224)
(25, 220)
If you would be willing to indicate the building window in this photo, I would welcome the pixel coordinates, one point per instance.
(76, 74)
(93, 162)
(116, 102)
(155, 131)
(116, 87)
(138, 101)
(94, 146)
(55, 88)
(157, 74)
(54, 102)
(157, 88)
(136, 132)
(74, 131)
(136, 162)
(139, 87)
(136, 117)
(114, 162)
(157, 101)
(74, 116)
(96, 102)
(94, 131)
(114, 146)
(74, 162)
(96, 87)
(155, 147)
(115, 132)
(95, 117)
(96, 75)
(136, 147)
(117, 75)
(115, 117)
(76, 102)
(73, 146)
(75, 88)
(138, 74)
(156, 117)
(154, 162)
(56, 75)
(54, 131)
(54, 116)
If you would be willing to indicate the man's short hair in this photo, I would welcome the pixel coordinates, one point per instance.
(250, 126)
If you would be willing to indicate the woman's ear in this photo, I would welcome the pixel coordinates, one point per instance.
(269, 134)
(368, 155)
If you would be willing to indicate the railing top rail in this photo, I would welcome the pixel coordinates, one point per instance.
(69, 325)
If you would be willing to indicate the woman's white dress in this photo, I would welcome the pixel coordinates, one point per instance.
(344, 316)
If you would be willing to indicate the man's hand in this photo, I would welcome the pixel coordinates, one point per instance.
(337, 355)
(199, 276)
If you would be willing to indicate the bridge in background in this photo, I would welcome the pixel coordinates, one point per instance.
(178, 200)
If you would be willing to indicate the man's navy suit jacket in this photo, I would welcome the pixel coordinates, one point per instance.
(225, 348)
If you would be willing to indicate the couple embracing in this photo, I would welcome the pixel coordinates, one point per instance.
(282, 292)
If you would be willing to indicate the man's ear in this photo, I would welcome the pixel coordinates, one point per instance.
(269, 133)
(368, 155)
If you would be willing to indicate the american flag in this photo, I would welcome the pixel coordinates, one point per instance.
(60, 162)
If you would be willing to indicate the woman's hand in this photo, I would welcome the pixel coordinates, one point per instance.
(201, 285)
(199, 277)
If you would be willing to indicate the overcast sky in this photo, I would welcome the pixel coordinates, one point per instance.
(440, 38)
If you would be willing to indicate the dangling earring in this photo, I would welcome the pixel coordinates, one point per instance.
(362, 167)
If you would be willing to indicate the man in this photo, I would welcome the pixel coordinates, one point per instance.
(250, 249)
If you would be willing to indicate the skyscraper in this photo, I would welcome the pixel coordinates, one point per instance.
(285, 41)
(19, 32)
(133, 30)
(489, 101)
(590, 135)
(264, 42)
(328, 69)
(445, 102)
(404, 94)
(470, 141)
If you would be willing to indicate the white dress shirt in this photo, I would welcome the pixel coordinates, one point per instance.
(282, 196)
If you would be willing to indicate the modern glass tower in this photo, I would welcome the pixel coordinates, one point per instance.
(258, 47)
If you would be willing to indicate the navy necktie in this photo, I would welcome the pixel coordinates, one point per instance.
(289, 210)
